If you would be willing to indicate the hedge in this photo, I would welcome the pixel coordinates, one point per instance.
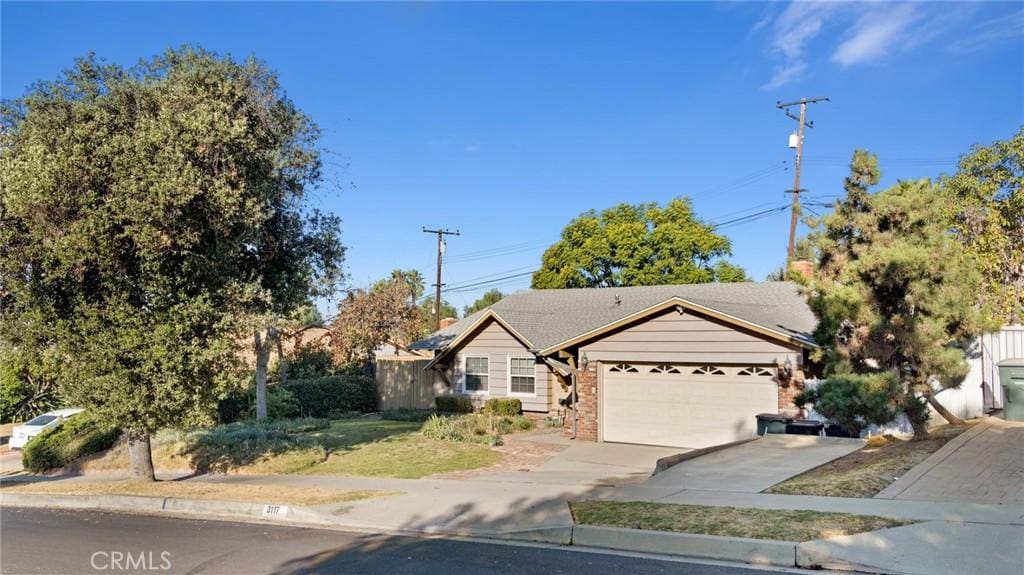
(324, 396)
(59, 446)
(453, 404)
(503, 406)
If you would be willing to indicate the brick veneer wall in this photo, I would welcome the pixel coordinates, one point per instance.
(788, 389)
(586, 423)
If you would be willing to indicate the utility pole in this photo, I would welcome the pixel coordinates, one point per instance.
(440, 251)
(802, 122)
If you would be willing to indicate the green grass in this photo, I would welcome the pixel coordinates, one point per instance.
(783, 525)
(870, 469)
(361, 446)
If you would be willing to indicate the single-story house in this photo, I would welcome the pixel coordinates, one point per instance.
(674, 365)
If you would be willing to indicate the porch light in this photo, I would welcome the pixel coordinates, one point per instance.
(788, 367)
(584, 361)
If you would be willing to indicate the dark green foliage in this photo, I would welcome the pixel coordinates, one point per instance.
(13, 392)
(319, 397)
(235, 406)
(281, 404)
(406, 414)
(453, 404)
(503, 406)
(489, 298)
(57, 447)
(856, 401)
(306, 362)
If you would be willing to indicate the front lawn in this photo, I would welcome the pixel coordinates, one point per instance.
(870, 469)
(279, 494)
(361, 446)
(784, 525)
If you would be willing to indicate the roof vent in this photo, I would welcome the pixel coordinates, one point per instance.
(618, 300)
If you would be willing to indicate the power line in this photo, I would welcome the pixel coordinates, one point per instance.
(477, 285)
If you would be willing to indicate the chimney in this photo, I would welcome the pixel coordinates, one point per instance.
(447, 321)
(803, 267)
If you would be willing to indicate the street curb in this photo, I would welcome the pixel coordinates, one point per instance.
(755, 551)
(249, 512)
(811, 556)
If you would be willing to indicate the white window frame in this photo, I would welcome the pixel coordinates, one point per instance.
(465, 373)
(508, 375)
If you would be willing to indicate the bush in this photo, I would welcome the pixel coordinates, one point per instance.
(57, 447)
(235, 406)
(319, 397)
(308, 361)
(406, 414)
(503, 406)
(281, 404)
(453, 404)
(443, 428)
(855, 401)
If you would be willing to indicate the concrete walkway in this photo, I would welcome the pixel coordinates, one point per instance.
(755, 466)
(932, 548)
(985, 464)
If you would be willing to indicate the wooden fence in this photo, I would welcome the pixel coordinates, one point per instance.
(402, 382)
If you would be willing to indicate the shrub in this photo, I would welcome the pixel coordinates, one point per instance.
(318, 397)
(453, 404)
(855, 401)
(308, 361)
(406, 414)
(76, 437)
(503, 406)
(237, 444)
(235, 406)
(443, 428)
(281, 404)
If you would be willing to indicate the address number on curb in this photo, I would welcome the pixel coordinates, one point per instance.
(275, 510)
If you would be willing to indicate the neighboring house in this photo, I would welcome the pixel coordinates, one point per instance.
(676, 365)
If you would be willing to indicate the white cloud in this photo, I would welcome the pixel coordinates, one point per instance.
(472, 147)
(877, 33)
(785, 74)
(992, 31)
(868, 31)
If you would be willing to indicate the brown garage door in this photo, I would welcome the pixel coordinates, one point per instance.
(683, 405)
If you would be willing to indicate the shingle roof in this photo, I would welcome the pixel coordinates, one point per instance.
(550, 317)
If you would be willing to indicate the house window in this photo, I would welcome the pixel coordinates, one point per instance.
(521, 375)
(477, 374)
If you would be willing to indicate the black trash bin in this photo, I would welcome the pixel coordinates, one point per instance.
(804, 427)
(772, 423)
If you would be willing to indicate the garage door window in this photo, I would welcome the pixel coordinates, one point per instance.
(477, 374)
(521, 374)
(708, 370)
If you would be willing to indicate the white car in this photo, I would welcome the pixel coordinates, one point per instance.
(38, 424)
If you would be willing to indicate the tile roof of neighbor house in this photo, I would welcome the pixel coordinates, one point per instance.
(550, 317)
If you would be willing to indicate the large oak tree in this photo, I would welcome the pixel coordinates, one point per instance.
(146, 215)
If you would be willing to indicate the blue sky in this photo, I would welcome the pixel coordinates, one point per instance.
(506, 120)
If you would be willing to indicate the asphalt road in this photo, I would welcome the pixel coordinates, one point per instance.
(35, 541)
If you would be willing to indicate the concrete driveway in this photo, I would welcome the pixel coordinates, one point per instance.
(579, 463)
(754, 466)
(984, 464)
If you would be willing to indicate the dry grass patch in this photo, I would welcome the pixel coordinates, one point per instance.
(784, 525)
(870, 469)
(280, 494)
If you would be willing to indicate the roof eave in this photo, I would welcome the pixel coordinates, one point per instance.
(489, 314)
(677, 301)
